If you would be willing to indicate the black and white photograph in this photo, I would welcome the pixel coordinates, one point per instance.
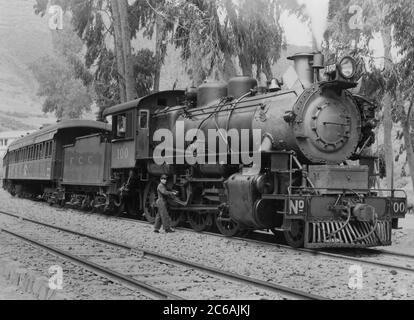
(206, 155)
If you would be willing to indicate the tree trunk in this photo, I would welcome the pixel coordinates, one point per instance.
(246, 65)
(118, 50)
(131, 93)
(387, 105)
(388, 146)
(410, 149)
(268, 71)
(229, 69)
(160, 50)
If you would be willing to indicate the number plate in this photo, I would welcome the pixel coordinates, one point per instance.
(297, 206)
(330, 69)
(399, 207)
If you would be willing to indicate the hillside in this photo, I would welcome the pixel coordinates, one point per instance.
(24, 38)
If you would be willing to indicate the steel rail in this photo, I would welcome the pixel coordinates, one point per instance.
(312, 251)
(294, 293)
(96, 268)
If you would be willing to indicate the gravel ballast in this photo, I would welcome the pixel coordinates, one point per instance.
(315, 274)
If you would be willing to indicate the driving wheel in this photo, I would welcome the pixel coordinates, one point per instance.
(200, 222)
(227, 227)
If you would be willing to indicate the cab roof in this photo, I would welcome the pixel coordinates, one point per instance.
(142, 102)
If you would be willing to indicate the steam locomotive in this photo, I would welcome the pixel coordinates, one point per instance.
(310, 179)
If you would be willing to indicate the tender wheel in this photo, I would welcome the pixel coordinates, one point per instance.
(296, 237)
(177, 217)
(200, 222)
(150, 199)
(227, 227)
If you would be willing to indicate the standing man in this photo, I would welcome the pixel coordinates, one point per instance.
(163, 217)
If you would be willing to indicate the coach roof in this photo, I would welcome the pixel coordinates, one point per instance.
(48, 132)
(138, 102)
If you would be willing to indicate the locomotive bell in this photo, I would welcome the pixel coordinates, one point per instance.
(274, 85)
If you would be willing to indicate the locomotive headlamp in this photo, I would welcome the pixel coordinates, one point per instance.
(347, 67)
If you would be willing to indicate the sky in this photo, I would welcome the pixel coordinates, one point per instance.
(297, 32)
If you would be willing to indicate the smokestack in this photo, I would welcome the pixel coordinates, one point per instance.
(303, 68)
(307, 66)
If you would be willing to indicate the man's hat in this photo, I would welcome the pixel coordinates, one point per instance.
(164, 177)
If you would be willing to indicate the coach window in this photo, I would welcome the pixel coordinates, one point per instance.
(50, 149)
(51, 146)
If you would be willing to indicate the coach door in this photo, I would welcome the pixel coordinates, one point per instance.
(143, 134)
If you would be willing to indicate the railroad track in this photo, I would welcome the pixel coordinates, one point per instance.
(93, 252)
(371, 255)
(363, 256)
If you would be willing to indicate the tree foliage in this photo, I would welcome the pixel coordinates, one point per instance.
(64, 81)
(65, 95)
(92, 21)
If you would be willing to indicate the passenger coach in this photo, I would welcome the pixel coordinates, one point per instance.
(34, 165)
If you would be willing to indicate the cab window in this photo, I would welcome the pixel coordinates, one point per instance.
(122, 126)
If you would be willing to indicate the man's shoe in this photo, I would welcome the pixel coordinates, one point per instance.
(169, 231)
(156, 231)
